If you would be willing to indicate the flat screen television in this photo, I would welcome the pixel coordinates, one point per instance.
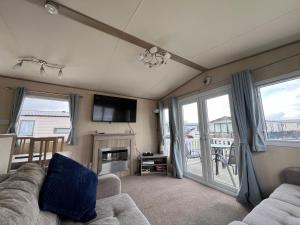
(114, 109)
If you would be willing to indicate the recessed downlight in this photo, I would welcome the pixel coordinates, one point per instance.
(51, 7)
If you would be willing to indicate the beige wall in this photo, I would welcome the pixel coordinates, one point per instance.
(145, 127)
(269, 164)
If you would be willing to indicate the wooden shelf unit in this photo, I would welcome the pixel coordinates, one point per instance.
(157, 164)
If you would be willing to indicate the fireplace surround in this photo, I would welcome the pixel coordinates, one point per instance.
(113, 153)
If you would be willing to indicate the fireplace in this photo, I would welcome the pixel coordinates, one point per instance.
(112, 160)
(114, 153)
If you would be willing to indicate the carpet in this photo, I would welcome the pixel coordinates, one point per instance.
(169, 201)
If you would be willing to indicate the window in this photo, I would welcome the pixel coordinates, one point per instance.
(26, 128)
(166, 131)
(44, 117)
(61, 130)
(218, 127)
(281, 108)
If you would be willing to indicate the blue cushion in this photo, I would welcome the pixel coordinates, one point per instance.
(69, 190)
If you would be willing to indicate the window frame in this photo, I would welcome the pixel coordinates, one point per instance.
(166, 136)
(57, 128)
(268, 82)
(20, 125)
(46, 96)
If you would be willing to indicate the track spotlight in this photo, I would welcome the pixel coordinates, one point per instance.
(42, 70)
(18, 65)
(60, 73)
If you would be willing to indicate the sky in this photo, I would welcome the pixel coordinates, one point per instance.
(216, 107)
(41, 104)
(281, 101)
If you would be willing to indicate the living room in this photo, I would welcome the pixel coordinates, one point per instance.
(177, 112)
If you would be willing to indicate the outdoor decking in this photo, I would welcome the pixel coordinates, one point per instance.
(194, 166)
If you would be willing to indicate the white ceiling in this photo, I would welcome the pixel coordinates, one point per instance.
(207, 32)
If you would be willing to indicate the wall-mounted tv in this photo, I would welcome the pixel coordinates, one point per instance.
(114, 109)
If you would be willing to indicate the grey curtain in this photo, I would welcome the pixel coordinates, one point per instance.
(161, 125)
(16, 107)
(249, 125)
(74, 101)
(176, 155)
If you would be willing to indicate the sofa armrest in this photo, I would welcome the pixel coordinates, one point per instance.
(291, 175)
(108, 185)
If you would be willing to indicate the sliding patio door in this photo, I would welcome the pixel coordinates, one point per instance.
(208, 139)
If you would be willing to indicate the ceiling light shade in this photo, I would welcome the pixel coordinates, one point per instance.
(51, 7)
(167, 55)
(154, 57)
(60, 73)
(153, 50)
(42, 70)
(18, 65)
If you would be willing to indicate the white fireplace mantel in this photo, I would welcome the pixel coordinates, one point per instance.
(98, 139)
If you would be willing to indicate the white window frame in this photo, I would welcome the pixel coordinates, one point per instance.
(276, 80)
(165, 137)
(20, 125)
(47, 97)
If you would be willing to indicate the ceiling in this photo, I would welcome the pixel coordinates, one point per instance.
(207, 32)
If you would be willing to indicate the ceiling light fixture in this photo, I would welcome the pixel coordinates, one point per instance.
(51, 7)
(154, 57)
(42, 64)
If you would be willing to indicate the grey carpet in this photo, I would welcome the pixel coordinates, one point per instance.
(169, 201)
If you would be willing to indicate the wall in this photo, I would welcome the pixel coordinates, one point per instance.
(271, 163)
(45, 125)
(145, 127)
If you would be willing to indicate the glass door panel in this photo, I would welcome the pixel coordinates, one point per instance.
(221, 141)
(191, 140)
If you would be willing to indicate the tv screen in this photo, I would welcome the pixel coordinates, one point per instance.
(113, 109)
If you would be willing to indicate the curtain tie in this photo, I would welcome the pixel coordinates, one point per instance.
(243, 141)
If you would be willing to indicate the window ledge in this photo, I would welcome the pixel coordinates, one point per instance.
(293, 144)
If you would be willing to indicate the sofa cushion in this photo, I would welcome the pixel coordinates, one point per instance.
(273, 212)
(69, 189)
(116, 210)
(19, 198)
(287, 193)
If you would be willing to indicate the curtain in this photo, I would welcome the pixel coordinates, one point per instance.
(16, 107)
(248, 122)
(161, 126)
(74, 101)
(176, 155)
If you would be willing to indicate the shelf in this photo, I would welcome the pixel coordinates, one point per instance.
(155, 165)
(154, 172)
(159, 166)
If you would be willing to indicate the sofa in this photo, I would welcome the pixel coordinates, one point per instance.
(283, 205)
(19, 194)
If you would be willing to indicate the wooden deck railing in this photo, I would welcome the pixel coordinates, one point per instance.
(36, 149)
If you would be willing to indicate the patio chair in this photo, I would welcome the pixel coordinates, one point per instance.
(226, 161)
(232, 159)
(191, 154)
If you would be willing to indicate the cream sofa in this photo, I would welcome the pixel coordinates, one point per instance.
(283, 205)
(19, 201)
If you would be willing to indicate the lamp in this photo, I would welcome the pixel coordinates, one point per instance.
(51, 7)
(42, 69)
(154, 57)
(42, 64)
